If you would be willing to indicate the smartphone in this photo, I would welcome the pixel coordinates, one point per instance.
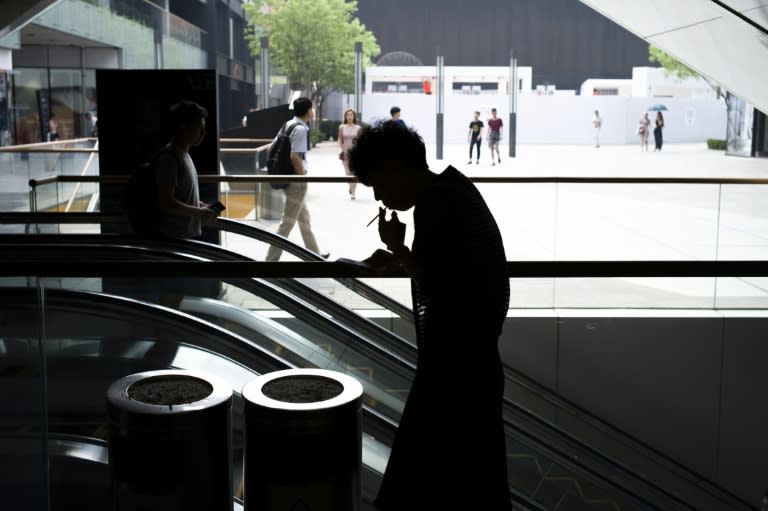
(217, 207)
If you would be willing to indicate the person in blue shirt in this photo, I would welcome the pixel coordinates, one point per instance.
(395, 113)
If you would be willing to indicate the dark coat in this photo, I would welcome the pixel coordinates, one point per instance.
(449, 450)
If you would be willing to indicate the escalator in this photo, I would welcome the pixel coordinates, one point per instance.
(548, 468)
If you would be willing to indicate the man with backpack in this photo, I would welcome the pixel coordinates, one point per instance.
(295, 210)
(180, 212)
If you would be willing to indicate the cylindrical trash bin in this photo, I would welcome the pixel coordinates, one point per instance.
(170, 442)
(303, 441)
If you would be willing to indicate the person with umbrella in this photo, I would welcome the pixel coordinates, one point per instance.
(657, 135)
(658, 126)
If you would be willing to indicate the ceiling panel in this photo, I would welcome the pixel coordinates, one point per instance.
(706, 37)
(651, 17)
(727, 51)
(755, 10)
(14, 14)
(33, 34)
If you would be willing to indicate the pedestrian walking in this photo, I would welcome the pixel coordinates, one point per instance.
(347, 134)
(475, 137)
(295, 209)
(642, 130)
(597, 123)
(494, 135)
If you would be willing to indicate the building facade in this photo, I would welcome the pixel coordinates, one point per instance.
(565, 42)
(47, 65)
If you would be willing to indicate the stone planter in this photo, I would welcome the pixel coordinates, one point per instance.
(170, 442)
(303, 441)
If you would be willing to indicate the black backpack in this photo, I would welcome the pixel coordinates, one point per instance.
(279, 158)
(140, 201)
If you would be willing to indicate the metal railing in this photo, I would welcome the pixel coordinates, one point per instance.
(55, 268)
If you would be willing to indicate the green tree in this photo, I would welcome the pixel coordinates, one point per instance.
(670, 64)
(675, 68)
(312, 42)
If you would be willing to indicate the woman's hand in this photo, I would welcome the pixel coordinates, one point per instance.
(382, 261)
(391, 232)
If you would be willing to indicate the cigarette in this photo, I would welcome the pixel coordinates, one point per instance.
(372, 220)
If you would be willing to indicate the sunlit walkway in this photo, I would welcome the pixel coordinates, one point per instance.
(585, 221)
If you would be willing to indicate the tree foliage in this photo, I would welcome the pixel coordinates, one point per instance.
(311, 41)
(670, 64)
(674, 67)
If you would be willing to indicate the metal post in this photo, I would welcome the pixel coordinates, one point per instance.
(45, 455)
(513, 85)
(264, 72)
(359, 79)
(440, 105)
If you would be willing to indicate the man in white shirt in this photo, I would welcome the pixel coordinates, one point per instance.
(597, 122)
(295, 209)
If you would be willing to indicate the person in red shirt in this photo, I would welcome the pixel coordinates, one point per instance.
(494, 135)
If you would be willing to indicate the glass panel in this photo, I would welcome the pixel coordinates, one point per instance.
(94, 339)
(66, 101)
(28, 83)
(91, 103)
(743, 233)
(636, 222)
(130, 25)
(245, 307)
(23, 417)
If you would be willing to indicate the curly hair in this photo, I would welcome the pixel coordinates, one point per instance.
(383, 142)
(185, 112)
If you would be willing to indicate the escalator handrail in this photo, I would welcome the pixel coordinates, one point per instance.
(218, 253)
(555, 449)
(106, 300)
(605, 427)
(293, 304)
(302, 253)
(67, 445)
(653, 454)
(577, 465)
(227, 225)
(243, 346)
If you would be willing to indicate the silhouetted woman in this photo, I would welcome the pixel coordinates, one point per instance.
(449, 450)
(657, 131)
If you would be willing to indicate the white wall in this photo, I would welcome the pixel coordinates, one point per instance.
(555, 119)
(6, 59)
(656, 82)
(638, 373)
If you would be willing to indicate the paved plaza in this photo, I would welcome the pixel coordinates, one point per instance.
(544, 221)
(550, 221)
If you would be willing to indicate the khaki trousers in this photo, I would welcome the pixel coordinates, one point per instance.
(294, 211)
